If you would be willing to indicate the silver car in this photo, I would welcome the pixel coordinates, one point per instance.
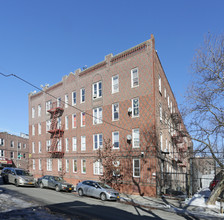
(19, 177)
(97, 189)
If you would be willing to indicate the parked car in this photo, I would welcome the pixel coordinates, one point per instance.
(17, 176)
(54, 182)
(97, 189)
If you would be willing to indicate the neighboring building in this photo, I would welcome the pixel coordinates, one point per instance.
(124, 101)
(14, 150)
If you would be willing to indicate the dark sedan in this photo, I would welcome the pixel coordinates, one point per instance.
(54, 182)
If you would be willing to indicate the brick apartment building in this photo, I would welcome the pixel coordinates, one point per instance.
(14, 150)
(124, 102)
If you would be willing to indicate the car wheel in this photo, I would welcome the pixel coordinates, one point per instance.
(80, 192)
(103, 196)
(16, 183)
(41, 185)
(57, 188)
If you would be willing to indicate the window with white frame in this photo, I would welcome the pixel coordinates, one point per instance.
(59, 102)
(160, 84)
(161, 141)
(11, 154)
(33, 147)
(171, 107)
(33, 112)
(24, 146)
(34, 166)
(66, 100)
(66, 144)
(134, 77)
(59, 122)
(160, 112)
(49, 164)
(97, 115)
(74, 121)
(39, 128)
(33, 130)
(97, 168)
(83, 119)
(73, 98)
(40, 147)
(165, 92)
(115, 139)
(135, 138)
(115, 84)
(59, 145)
(75, 167)
(12, 143)
(40, 164)
(19, 145)
(48, 105)
(48, 125)
(83, 166)
(97, 141)
(115, 111)
(2, 153)
(39, 110)
(67, 165)
(48, 145)
(59, 165)
(136, 167)
(135, 107)
(74, 143)
(97, 90)
(1, 142)
(82, 95)
(83, 143)
(66, 122)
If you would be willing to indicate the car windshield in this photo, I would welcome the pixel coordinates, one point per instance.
(22, 173)
(105, 186)
(57, 178)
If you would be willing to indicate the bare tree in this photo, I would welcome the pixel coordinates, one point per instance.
(204, 106)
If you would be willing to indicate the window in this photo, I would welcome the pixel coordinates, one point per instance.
(48, 125)
(40, 164)
(97, 168)
(66, 122)
(67, 166)
(12, 143)
(39, 110)
(59, 164)
(59, 145)
(39, 128)
(59, 123)
(66, 144)
(74, 98)
(165, 92)
(135, 138)
(49, 164)
(34, 164)
(48, 145)
(83, 119)
(97, 141)
(82, 95)
(74, 144)
(1, 142)
(160, 112)
(11, 154)
(58, 102)
(161, 141)
(33, 112)
(115, 138)
(66, 100)
(115, 112)
(97, 115)
(160, 84)
(97, 90)
(40, 147)
(134, 77)
(115, 84)
(168, 101)
(171, 107)
(74, 121)
(24, 155)
(24, 146)
(33, 130)
(33, 147)
(2, 153)
(135, 107)
(48, 105)
(83, 143)
(75, 166)
(19, 145)
(83, 166)
(136, 168)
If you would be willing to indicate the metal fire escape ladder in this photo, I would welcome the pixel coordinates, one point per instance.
(56, 131)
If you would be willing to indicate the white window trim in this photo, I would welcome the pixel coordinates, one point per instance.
(73, 120)
(118, 139)
(67, 165)
(132, 103)
(83, 125)
(83, 172)
(74, 167)
(112, 84)
(97, 95)
(81, 101)
(132, 79)
(83, 144)
(134, 168)
(74, 143)
(66, 144)
(97, 119)
(97, 168)
(66, 100)
(74, 103)
(114, 112)
(66, 122)
(133, 132)
(98, 141)
(60, 165)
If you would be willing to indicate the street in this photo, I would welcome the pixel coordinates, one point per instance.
(75, 207)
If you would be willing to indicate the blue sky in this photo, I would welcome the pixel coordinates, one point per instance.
(43, 40)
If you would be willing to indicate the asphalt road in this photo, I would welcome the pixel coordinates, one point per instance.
(76, 207)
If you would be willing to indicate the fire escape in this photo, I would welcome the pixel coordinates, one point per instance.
(56, 130)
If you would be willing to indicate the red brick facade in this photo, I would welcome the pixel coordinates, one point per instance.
(138, 70)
